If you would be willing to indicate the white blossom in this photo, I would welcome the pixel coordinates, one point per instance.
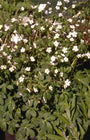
(35, 89)
(32, 58)
(67, 83)
(88, 55)
(7, 27)
(15, 38)
(53, 58)
(41, 7)
(57, 8)
(22, 8)
(50, 88)
(27, 69)
(22, 50)
(47, 71)
(56, 43)
(64, 50)
(21, 79)
(56, 71)
(61, 74)
(59, 3)
(48, 50)
(3, 67)
(1, 27)
(65, 59)
(73, 5)
(75, 48)
(12, 68)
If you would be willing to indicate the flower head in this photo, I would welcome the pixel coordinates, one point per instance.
(32, 58)
(47, 71)
(75, 48)
(41, 7)
(48, 50)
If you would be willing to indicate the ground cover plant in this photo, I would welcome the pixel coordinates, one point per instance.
(45, 70)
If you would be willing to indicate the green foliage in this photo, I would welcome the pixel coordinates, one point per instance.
(44, 71)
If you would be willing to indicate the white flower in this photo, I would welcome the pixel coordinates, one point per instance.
(27, 69)
(71, 39)
(67, 83)
(46, 12)
(32, 58)
(79, 55)
(59, 3)
(4, 53)
(72, 26)
(74, 34)
(21, 79)
(28, 90)
(50, 88)
(82, 41)
(9, 57)
(73, 5)
(69, 20)
(47, 71)
(25, 40)
(57, 8)
(64, 50)
(41, 7)
(56, 71)
(2, 47)
(56, 43)
(34, 44)
(13, 20)
(75, 48)
(61, 74)
(35, 89)
(12, 68)
(15, 38)
(48, 50)
(6, 27)
(68, 36)
(56, 36)
(15, 47)
(22, 8)
(42, 28)
(88, 55)
(60, 14)
(62, 54)
(65, 59)
(67, 1)
(65, 8)
(31, 21)
(59, 26)
(3, 67)
(32, 26)
(53, 58)
(22, 49)
(1, 27)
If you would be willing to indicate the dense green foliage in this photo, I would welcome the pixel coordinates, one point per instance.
(44, 70)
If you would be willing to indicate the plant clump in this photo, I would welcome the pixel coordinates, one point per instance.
(44, 70)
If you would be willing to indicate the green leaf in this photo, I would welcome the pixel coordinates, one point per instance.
(83, 108)
(33, 113)
(32, 133)
(62, 118)
(49, 127)
(10, 87)
(28, 114)
(81, 131)
(54, 137)
(58, 130)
